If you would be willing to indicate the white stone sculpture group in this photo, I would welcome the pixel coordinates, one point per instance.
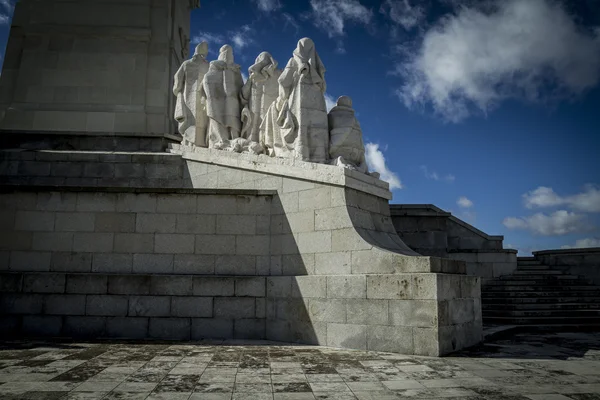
(275, 112)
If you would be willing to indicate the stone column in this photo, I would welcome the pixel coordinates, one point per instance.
(94, 67)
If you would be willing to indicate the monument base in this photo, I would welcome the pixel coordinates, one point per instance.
(213, 244)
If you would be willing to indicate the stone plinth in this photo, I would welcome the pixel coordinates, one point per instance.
(94, 67)
(220, 244)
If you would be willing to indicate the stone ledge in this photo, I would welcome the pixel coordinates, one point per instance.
(291, 168)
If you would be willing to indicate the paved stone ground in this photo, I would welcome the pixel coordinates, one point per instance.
(548, 367)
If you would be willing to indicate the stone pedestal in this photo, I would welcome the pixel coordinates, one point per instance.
(93, 67)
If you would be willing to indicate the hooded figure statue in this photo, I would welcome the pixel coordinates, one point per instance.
(190, 110)
(346, 147)
(258, 93)
(296, 123)
(221, 88)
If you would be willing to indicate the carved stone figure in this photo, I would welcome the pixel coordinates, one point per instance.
(346, 147)
(221, 88)
(296, 123)
(190, 112)
(258, 93)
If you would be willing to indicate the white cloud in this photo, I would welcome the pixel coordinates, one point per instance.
(477, 57)
(330, 101)
(7, 4)
(464, 202)
(268, 5)
(290, 20)
(435, 176)
(332, 15)
(583, 243)
(4, 19)
(560, 222)
(401, 12)
(241, 38)
(376, 162)
(214, 39)
(586, 201)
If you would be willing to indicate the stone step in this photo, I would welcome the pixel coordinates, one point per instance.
(542, 313)
(548, 294)
(542, 320)
(528, 277)
(548, 272)
(539, 282)
(533, 267)
(540, 300)
(528, 262)
(547, 306)
(495, 287)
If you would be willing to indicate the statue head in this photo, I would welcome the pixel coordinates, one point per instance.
(265, 58)
(226, 54)
(344, 101)
(305, 46)
(201, 50)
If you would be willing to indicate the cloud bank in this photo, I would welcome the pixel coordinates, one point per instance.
(464, 202)
(583, 243)
(403, 13)
(267, 5)
(586, 201)
(472, 60)
(376, 162)
(332, 15)
(558, 223)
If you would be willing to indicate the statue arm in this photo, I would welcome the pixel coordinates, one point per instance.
(286, 81)
(179, 81)
(245, 92)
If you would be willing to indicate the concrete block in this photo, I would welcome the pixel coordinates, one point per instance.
(426, 342)
(164, 171)
(235, 265)
(213, 204)
(156, 223)
(448, 286)
(112, 263)
(192, 306)
(296, 185)
(107, 305)
(421, 313)
(56, 201)
(234, 308)
(127, 327)
(348, 240)
(55, 241)
(470, 287)
(44, 283)
(211, 328)
(11, 283)
(303, 221)
(96, 202)
(171, 285)
(149, 306)
(263, 265)
(41, 221)
(87, 284)
(75, 222)
(396, 339)
(263, 225)
(315, 242)
(254, 205)
(279, 286)
(21, 303)
(347, 336)
(115, 222)
(93, 242)
(236, 224)
(346, 287)
(215, 244)
(333, 218)
(30, 261)
(176, 203)
(326, 310)
(206, 286)
(136, 203)
(389, 287)
(257, 245)
(129, 284)
(16, 240)
(298, 264)
(249, 329)
(500, 269)
(425, 286)
(250, 287)
(312, 199)
(261, 307)
(298, 308)
(75, 326)
(309, 286)
(71, 262)
(153, 263)
(134, 243)
(284, 244)
(461, 311)
(174, 243)
(367, 312)
(38, 325)
(198, 224)
(194, 264)
(338, 263)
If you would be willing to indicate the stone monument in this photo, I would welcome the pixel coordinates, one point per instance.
(243, 239)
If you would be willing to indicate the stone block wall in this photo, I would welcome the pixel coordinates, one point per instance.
(584, 261)
(327, 266)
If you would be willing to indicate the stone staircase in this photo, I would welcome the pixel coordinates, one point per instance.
(541, 296)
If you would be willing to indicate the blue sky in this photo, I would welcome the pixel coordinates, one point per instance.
(485, 108)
